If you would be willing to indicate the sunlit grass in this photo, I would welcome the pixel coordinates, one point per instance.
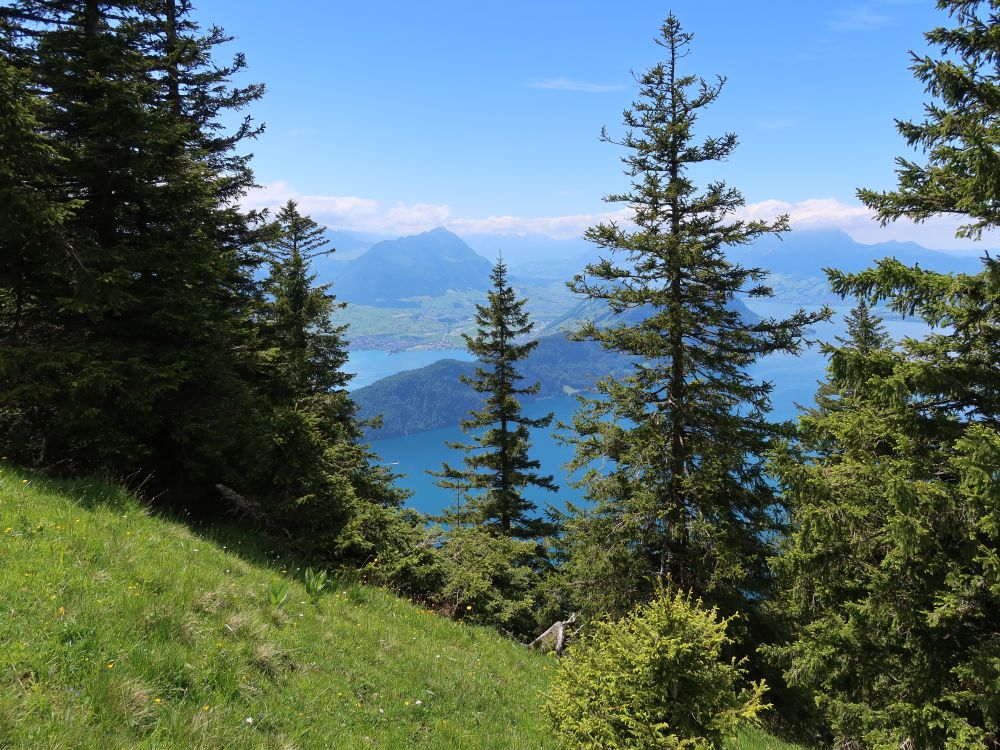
(123, 630)
(754, 739)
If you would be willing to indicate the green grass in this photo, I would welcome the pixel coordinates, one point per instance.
(119, 629)
(754, 739)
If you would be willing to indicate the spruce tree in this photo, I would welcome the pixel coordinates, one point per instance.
(960, 177)
(958, 136)
(35, 264)
(150, 322)
(311, 350)
(890, 576)
(672, 452)
(302, 355)
(497, 466)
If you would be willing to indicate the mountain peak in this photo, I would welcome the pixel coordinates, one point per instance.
(440, 232)
(426, 264)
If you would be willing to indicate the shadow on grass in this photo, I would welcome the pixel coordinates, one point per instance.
(254, 546)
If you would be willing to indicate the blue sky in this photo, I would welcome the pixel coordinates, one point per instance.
(394, 117)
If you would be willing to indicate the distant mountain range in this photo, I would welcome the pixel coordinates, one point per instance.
(391, 273)
(796, 256)
(422, 289)
(807, 253)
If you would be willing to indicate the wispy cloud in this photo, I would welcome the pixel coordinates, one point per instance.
(352, 213)
(557, 227)
(417, 217)
(815, 213)
(566, 84)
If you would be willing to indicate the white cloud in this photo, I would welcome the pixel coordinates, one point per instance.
(566, 84)
(557, 227)
(368, 215)
(815, 213)
(859, 222)
(352, 213)
(419, 217)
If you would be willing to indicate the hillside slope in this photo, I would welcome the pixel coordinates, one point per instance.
(431, 397)
(122, 630)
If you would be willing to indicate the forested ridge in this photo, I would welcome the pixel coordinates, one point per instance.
(836, 579)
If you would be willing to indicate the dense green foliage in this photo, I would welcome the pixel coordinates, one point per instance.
(488, 578)
(672, 452)
(310, 463)
(657, 678)
(32, 243)
(891, 573)
(305, 348)
(137, 298)
(496, 466)
(140, 336)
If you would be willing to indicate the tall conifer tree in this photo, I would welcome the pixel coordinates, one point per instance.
(302, 355)
(888, 576)
(497, 462)
(298, 317)
(673, 451)
(891, 574)
(148, 328)
(35, 265)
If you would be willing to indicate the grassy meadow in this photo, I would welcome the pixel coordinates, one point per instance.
(120, 629)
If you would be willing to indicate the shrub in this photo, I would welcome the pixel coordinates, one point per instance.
(488, 579)
(654, 679)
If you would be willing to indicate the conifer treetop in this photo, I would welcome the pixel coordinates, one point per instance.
(670, 454)
(497, 465)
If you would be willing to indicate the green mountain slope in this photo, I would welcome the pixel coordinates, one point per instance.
(122, 630)
(432, 396)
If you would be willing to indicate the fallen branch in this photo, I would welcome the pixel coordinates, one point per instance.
(554, 639)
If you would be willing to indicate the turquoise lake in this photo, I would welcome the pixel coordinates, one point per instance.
(794, 378)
